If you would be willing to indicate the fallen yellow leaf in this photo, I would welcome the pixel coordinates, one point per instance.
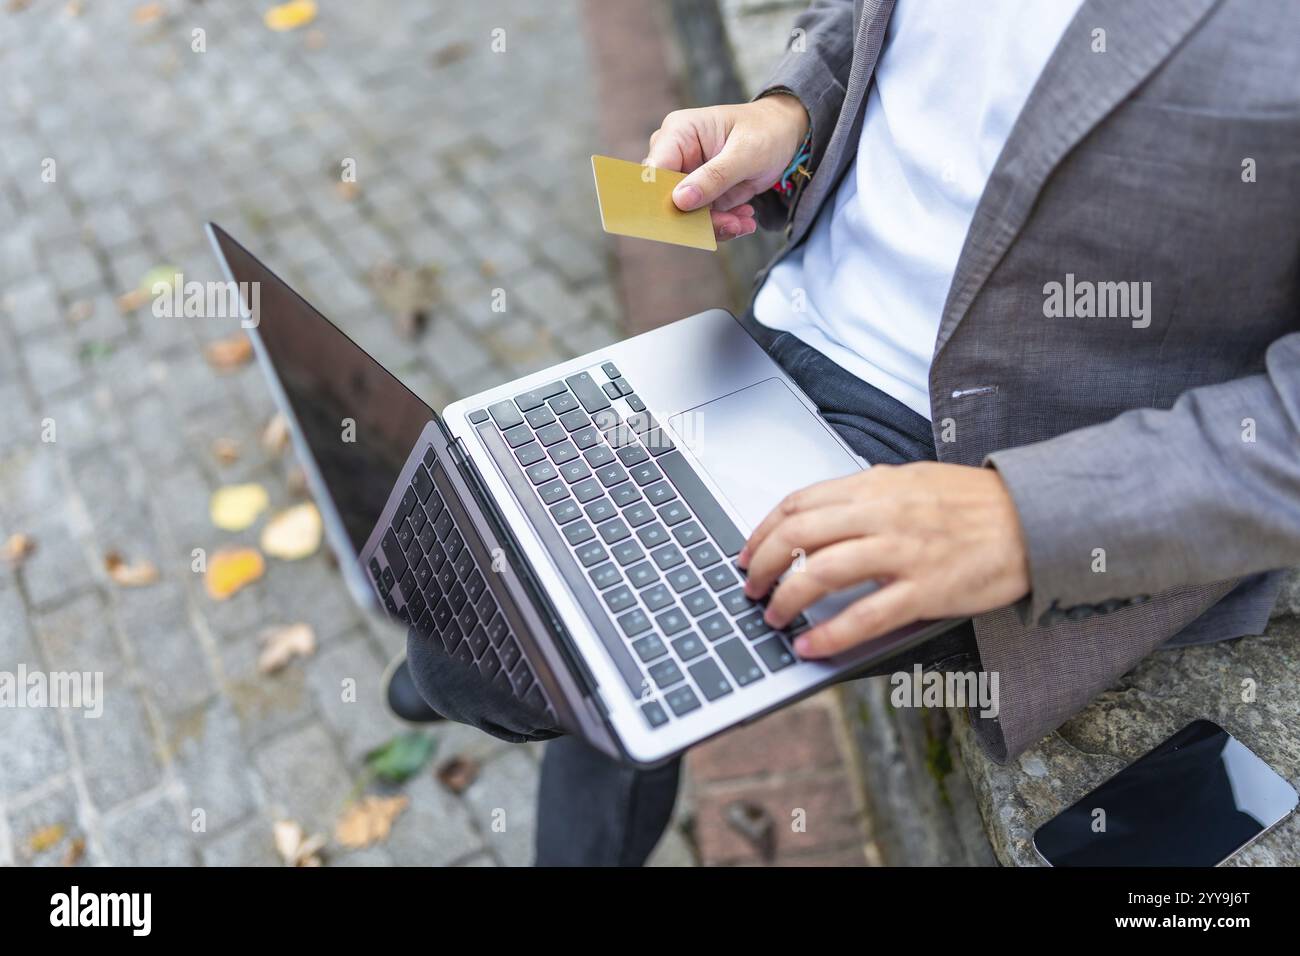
(18, 548)
(290, 16)
(276, 434)
(293, 533)
(147, 12)
(46, 837)
(294, 846)
(235, 507)
(225, 450)
(283, 644)
(230, 352)
(230, 569)
(76, 850)
(369, 820)
(129, 574)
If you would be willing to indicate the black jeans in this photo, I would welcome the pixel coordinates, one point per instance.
(595, 811)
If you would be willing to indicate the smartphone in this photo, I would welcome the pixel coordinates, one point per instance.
(1194, 800)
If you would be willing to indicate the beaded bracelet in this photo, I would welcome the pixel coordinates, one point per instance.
(797, 167)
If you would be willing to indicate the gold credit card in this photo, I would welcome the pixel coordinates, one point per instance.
(637, 201)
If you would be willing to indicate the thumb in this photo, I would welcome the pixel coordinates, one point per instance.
(712, 179)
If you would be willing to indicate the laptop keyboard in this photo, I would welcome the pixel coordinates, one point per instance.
(433, 581)
(627, 518)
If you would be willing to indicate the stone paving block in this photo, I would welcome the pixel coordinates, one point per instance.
(51, 361)
(172, 665)
(118, 752)
(436, 829)
(250, 843)
(265, 704)
(304, 778)
(207, 751)
(58, 568)
(31, 749)
(504, 802)
(46, 829)
(149, 833)
(361, 721)
(77, 635)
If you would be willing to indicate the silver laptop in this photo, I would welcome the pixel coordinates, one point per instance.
(571, 535)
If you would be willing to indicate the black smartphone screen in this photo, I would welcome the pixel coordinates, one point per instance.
(1192, 801)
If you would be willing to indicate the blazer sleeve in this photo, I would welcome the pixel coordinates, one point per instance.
(815, 69)
(1205, 491)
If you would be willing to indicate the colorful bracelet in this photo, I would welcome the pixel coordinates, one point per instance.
(798, 166)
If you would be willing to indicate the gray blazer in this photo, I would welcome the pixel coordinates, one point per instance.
(1154, 454)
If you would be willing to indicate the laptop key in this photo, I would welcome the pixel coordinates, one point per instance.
(632, 455)
(699, 602)
(635, 403)
(587, 489)
(423, 573)
(574, 420)
(565, 511)
(682, 700)
(405, 535)
(394, 552)
(585, 388)
(672, 621)
(529, 454)
(666, 673)
(620, 599)
(509, 654)
(774, 654)
(625, 494)
(542, 415)
(752, 625)
(688, 647)
(611, 370)
(613, 531)
(422, 484)
(563, 452)
(688, 534)
(604, 576)
(610, 390)
(498, 629)
(553, 491)
(591, 553)
(646, 472)
(578, 532)
(736, 602)
(464, 655)
(529, 400)
(611, 475)
(586, 437)
(443, 614)
(682, 579)
(704, 555)
(552, 433)
(575, 471)
(562, 404)
(654, 714)
(627, 551)
(404, 506)
(642, 575)
(600, 455)
(739, 662)
(660, 492)
(708, 675)
(489, 665)
(715, 627)
(649, 648)
(634, 622)
(657, 597)
(600, 510)
(406, 584)
(478, 416)
(453, 544)
(478, 640)
(518, 435)
(667, 557)
(521, 678)
(475, 585)
(541, 472)
(706, 508)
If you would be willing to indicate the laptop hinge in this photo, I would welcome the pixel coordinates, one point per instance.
(515, 556)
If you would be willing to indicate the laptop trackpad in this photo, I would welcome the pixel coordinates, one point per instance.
(761, 443)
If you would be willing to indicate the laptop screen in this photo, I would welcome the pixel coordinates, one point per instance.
(359, 422)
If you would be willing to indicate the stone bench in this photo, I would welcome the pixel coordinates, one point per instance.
(933, 796)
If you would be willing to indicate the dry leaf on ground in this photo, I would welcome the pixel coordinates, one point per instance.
(369, 820)
(293, 533)
(45, 838)
(230, 569)
(129, 574)
(225, 450)
(236, 507)
(130, 301)
(294, 846)
(147, 12)
(276, 434)
(280, 645)
(76, 850)
(290, 16)
(230, 352)
(458, 773)
(18, 548)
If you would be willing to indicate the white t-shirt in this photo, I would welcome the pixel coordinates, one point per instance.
(867, 286)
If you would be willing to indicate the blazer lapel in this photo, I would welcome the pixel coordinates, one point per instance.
(1076, 90)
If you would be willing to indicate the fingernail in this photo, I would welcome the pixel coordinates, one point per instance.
(750, 590)
(742, 559)
(687, 196)
(802, 646)
(726, 232)
(773, 619)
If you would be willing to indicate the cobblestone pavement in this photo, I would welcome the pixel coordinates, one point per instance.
(471, 169)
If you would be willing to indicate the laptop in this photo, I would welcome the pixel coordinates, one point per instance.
(570, 536)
